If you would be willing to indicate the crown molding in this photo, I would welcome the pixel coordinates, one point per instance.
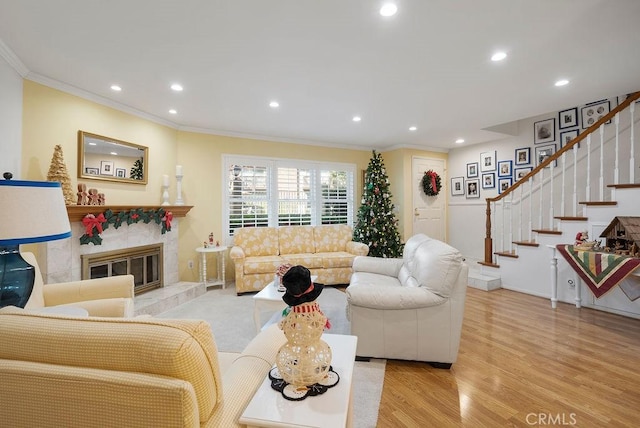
(12, 59)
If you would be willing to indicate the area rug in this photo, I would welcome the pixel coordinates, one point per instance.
(231, 320)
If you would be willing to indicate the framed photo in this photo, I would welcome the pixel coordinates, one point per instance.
(505, 168)
(523, 156)
(121, 173)
(567, 136)
(472, 170)
(106, 168)
(473, 188)
(544, 131)
(504, 184)
(544, 152)
(591, 113)
(488, 180)
(92, 171)
(457, 186)
(488, 161)
(518, 173)
(568, 118)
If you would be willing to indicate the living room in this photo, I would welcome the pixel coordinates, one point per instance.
(40, 113)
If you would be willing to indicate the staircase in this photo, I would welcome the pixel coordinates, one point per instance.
(583, 186)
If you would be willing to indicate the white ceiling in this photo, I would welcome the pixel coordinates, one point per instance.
(328, 60)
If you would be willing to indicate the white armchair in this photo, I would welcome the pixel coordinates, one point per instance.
(409, 308)
(103, 297)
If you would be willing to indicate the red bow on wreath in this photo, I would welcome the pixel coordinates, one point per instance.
(90, 221)
(433, 176)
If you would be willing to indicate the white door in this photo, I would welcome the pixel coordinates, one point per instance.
(429, 215)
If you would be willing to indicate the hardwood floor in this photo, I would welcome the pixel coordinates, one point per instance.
(523, 364)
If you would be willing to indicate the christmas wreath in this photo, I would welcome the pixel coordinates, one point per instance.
(431, 183)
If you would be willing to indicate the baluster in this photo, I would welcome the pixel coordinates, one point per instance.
(616, 170)
(562, 191)
(632, 161)
(540, 191)
(530, 227)
(520, 213)
(494, 229)
(511, 221)
(575, 180)
(588, 189)
(602, 162)
(502, 234)
(551, 204)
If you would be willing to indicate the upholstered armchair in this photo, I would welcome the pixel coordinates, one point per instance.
(409, 308)
(103, 297)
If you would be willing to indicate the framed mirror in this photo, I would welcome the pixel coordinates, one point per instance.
(104, 158)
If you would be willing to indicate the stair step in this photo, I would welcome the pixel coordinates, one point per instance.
(572, 218)
(511, 254)
(548, 231)
(483, 282)
(624, 186)
(488, 264)
(598, 203)
(527, 243)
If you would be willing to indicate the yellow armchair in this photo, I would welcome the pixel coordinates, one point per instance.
(103, 297)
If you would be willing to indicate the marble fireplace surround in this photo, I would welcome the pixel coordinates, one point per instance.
(60, 260)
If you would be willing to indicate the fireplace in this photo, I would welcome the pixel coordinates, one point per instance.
(143, 262)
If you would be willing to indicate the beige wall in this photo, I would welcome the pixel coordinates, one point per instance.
(53, 117)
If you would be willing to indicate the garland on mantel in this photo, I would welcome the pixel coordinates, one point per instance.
(95, 225)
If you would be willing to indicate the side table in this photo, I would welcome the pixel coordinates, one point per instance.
(220, 253)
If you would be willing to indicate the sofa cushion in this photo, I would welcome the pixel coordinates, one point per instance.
(336, 259)
(296, 239)
(310, 261)
(437, 266)
(409, 260)
(332, 237)
(375, 291)
(262, 264)
(257, 241)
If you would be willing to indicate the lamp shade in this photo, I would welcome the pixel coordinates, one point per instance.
(32, 211)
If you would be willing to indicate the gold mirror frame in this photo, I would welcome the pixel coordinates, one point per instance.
(108, 159)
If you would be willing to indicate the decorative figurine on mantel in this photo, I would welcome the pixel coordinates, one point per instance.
(303, 364)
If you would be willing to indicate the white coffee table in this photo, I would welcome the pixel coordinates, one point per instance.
(269, 299)
(334, 408)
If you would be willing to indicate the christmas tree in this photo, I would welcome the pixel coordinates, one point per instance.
(58, 172)
(136, 170)
(376, 224)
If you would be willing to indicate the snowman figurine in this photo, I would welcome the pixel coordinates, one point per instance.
(303, 364)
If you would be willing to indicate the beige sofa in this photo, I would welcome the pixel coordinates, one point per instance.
(410, 308)
(327, 251)
(62, 371)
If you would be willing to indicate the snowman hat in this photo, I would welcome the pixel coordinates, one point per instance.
(299, 287)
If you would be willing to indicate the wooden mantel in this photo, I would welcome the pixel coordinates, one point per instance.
(77, 212)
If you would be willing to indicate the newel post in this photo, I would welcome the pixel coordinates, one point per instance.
(488, 243)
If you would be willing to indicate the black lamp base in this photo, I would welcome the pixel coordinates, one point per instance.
(16, 277)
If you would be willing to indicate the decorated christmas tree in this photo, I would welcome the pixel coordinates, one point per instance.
(376, 224)
(58, 172)
(136, 170)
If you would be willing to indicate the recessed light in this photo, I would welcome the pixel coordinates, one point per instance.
(93, 144)
(116, 88)
(173, 111)
(176, 87)
(388, 9)
(460, 141)
(412, 128)
(113, 154)
(498, 56)
(562, 82)
(274, 104)
(357, 118)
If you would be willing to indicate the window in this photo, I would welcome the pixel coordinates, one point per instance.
(264, 192)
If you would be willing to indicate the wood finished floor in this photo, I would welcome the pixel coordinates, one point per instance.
(523, 364)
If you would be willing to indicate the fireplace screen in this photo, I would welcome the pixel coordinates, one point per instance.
(144, 263)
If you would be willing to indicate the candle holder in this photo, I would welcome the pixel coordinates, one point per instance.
(165, 194)
(179, 200)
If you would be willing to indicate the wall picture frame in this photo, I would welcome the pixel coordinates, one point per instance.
(544, 131)
(472, 170)
(106, 168)
(472, 188)
(488, 180)
(457, 186)
(568, 118)
(544, 152)
(567, 136)
(121, 173)
(488, 161)
(92, 171)
(518, 173)
(505, 168)
(523, 156)
(593, 112)
(504, 184)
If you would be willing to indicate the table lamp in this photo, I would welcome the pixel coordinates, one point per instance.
(30, 212)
